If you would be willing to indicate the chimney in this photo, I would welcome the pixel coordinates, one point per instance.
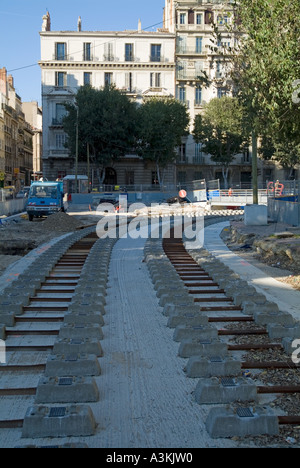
(3, 80)
(10, 80)
(79, 24)
(140, 26)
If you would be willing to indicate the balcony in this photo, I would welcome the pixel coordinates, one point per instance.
(57, 123)
(59, 153)
(60, 57)
(190, 51)
(156, 58)
(109, 58)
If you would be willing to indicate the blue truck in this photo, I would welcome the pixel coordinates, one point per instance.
(46, 198)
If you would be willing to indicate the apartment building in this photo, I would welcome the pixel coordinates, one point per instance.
(140, 63)
(2, 147)
(34, 116)
(15, 136)
(199, 54)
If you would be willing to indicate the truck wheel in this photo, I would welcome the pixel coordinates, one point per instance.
(30, 217)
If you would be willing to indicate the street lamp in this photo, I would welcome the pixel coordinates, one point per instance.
(76, 151)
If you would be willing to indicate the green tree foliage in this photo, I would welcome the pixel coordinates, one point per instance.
(106, 121)
(220, 129)
(266, 66)
(162, 124)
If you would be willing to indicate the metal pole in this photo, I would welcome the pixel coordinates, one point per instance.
(254, 168)
(76, 155)
(88, 164)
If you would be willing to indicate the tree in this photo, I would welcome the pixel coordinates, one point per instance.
(106, 122)
(220, 130)
(265, 66)
(162, 124)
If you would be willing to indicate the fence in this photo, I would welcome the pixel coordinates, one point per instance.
(11, 207)
(284, 202)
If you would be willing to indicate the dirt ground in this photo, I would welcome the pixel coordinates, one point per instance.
(274, 248)
(19, 236)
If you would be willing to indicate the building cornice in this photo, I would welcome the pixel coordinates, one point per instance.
(106, 65)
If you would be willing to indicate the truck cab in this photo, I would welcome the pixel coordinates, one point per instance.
(46, 198)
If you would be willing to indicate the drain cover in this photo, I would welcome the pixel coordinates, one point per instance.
(57, 412)
(216, 359)
(65, 381)
(228, 382)
(245, 413)
(71, 358)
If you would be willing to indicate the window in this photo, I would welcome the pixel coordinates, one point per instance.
(182, 153)
(221, 92)
(61, 112)
(108, 79)
(87, 79)
(219, 70)
(199, 18)
(60, 51)
(209, 17)
(181, 94)
(155, 52)
(60, 79)
(108, 52)
(129, 53)
(181, 70)
(191, 17)
(128, 82)
(198, 96)
(155, 80)
(222, 19)
(199, 45)
(198, 158)
(87, 51)
(182, 18)
(60, 140)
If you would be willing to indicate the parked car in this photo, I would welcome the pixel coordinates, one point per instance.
(23, 193)
(9, 191)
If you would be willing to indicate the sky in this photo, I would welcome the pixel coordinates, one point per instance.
(21, 22)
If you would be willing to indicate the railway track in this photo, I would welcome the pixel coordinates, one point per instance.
(53, 343)
(225, 346)
(50, 341)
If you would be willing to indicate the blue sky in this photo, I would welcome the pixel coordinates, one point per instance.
(21, 21)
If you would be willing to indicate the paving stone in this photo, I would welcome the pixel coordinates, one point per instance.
(62, 421)
(86, 307)
(200, 332)
(72, 365)
(67, 390)
(264, 318)
(284, 331)
(7, 319)
(84, 317)
(250, 307)
(2, 332)
(68, 346)
(225, 422)
(81, 330)
(187, 318)
(176, 299)
(88, 298)
(214, 366)
(204, 348)
(227, 390)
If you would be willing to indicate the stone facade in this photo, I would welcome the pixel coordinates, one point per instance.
(139, 63)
